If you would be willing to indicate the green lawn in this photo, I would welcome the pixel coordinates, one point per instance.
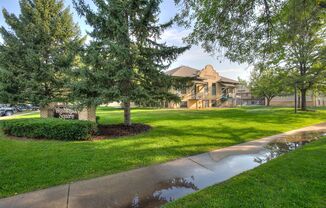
(296, 179)
(30, 165)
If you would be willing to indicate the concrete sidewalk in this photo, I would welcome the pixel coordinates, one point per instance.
(155, 185)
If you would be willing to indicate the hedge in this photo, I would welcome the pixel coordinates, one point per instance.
(52, 128)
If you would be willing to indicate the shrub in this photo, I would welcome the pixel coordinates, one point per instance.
(51, 128)
(97, 119)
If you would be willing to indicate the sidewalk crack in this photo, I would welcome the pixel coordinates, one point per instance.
(200, 164)
(68, 195)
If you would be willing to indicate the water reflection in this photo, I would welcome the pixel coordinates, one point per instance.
(221, 170)
(276, 149)
(169, 191)
(174, 187)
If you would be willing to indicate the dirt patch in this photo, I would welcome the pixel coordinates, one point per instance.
(120, 130)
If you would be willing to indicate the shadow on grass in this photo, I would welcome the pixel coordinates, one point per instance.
(237, 115)
(30, 165)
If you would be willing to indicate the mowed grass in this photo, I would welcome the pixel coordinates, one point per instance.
(27, 165)
(296, 179)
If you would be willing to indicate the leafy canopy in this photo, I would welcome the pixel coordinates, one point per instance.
(267, 83)
(284, 34)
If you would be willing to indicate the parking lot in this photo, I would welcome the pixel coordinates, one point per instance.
(10, 110)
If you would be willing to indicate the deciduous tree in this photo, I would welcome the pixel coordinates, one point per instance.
(266, 83)
(288, 34)
(301, 43)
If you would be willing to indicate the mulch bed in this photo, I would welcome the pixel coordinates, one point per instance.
(121, 130)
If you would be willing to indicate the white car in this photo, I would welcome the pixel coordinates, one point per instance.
(7, 111)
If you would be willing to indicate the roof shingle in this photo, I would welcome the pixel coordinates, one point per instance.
(183, 71)
(186, 71)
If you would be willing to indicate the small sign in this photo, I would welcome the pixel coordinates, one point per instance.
(65, 113)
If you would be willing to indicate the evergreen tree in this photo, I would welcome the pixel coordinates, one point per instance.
(38, 49)
(125, 56)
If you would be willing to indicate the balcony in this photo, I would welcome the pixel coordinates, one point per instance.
(226, 97)
(199, 96)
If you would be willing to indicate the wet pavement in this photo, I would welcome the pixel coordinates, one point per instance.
(156, 185)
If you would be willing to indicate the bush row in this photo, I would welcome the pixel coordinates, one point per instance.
(50, 128)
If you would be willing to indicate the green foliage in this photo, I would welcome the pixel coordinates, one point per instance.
(321, 87)
(50, 129)
(301, 41)
(289, 34)
(243, 82)
(39, 48)
(268, 83)
(243, 28)
(125, 60)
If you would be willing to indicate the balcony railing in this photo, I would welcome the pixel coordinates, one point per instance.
(200, 95)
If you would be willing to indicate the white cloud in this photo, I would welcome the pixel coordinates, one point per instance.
(196, 57)
(174, 36)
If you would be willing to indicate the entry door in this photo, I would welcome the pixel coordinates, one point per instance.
(206, 103)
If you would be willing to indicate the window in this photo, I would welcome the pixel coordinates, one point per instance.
(184, 91)
(214, 89)
(183, 104)
(206, 88)
(206, 103)
(214, 103)
(225, 91)
(197, 89)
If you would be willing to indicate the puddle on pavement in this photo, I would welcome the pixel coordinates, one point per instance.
(221, 170)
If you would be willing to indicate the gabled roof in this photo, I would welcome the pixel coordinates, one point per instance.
(225, 79)
(183, 71)
(186, 71)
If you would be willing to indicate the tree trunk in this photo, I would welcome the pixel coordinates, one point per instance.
(88, 113)
(303, 99)
(268, 101)
(127, 120)
(44, 112)
(47, 111)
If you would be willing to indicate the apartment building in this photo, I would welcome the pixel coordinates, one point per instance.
(313, 100)
(244, 97)
(207, 88)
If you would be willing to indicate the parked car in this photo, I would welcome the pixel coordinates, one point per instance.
(33, 107)
(23, 107)
(2, 113)
(7, 110)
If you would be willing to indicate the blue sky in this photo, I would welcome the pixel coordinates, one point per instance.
(195, 57)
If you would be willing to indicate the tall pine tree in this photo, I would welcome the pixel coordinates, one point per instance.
(38, 49)
(125, 55)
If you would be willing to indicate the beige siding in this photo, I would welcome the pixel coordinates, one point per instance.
(204, 98)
